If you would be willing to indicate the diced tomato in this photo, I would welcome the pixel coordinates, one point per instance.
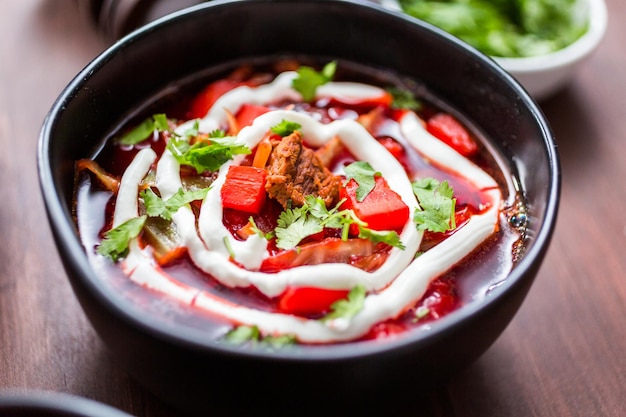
(381, 209)
(248, 112)
(329, 250)
(396, 149)
(203, 102)
(392, 146)
(450, 131)
(309, 300)
(244, 189)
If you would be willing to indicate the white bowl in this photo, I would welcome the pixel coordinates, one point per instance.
(544, 75)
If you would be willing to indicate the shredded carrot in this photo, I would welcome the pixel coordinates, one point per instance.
(263, 151)
(233, 124)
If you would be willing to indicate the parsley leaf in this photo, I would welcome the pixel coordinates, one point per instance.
(348, 308)
(115, 242)
(309, 79)
(363, 173)
(146, 128)
(157, 207)
(285, 128)
(205, 156)
(438, 205)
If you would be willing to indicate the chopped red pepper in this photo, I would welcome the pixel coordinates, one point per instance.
(244, 189)
(381, 209)
(203, 102)
(450, 131)
(248, 112)
(309, 300)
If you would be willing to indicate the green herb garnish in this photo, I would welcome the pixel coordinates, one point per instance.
(251, 334)
(403, 99)
(116, 241)
(146, 128)
(349, 307)
(364, 175)
(285, 128)
(203, 156)
(298, 223)
(437, 205)
(257, 231)
(309, 79)
(157, 207)
(390, 237)
(505, 28)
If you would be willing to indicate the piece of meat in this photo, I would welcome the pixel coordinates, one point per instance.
(295, 172)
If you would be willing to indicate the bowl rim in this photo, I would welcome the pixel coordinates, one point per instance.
(58, 402)
(579, 49)
(65, 235)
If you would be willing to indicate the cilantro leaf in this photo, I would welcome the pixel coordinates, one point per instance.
(348, 308)
(154, 205)
(115, 242)
(285, 128)
(299, 223)
(242, 334)
(390, 237)
(217, 133)
(205, 156)
(294, 225)
(309, 79)
(437, 203)
(363, 173)
(504, 27)
(146, 128)
(403, 99)
(157, 207)
(280, 341)
(193, 131)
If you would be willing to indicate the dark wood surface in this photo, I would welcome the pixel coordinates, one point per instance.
(564, 354)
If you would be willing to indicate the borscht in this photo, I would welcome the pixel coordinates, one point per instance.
(282, 203)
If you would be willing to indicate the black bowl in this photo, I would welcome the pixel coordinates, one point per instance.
(52, 404)
(182, 366)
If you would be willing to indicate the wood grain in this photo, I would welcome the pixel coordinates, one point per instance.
(564, 354)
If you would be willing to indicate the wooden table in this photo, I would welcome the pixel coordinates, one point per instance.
(564, 354)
